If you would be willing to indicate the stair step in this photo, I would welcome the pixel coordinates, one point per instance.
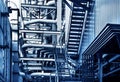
(72, 50)
(71, 47)
(72, 53)
(73, 44)
(73, 25)
(75, 7)
(75, 29)
(77, 22)
(73, 33)
(78, 13)
(73, 40)
(72, 36)
(77, 18)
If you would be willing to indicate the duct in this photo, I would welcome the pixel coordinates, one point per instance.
(41, 45)
(37, 59)
(39, 21)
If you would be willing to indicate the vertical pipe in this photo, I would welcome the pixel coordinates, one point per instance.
(59, 16)
(100, 69)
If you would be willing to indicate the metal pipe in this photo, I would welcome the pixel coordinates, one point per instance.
(39, 68)
(51, 2)
(37, 59)
(39, 21)
(40, 31)
(46, 74)
(41, 45)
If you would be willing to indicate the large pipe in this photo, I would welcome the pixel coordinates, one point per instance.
(39, 21)
(37, 59)
(42, 45)
(51, 2)
(47, 74)
(39, 68)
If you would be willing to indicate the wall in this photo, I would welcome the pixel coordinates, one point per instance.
(107, 11)
(5, 44)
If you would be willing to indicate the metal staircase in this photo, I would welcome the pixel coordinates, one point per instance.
(77, 27)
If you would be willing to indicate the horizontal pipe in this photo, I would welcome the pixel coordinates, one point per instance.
(39, 68)
(111, 60)
(38, 6)
(39, 21)
(31, 39)
(47, 74)
(41, 45)
(111, 72)
(37, 59)
(51, 2)
(39, 31)
(33, 64)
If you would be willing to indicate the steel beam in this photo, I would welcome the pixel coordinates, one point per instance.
(37, 59)
(40, 31)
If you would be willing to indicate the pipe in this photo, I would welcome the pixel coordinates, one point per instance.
(51, 2)
(41, 45)
(46, 74)
(39, 21)
(40, 31)
(39, 68)
(36, 59)
(42, 20)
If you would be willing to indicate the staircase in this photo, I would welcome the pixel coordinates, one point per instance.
(76, 30)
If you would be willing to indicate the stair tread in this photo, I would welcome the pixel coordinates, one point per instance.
(75, 33)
